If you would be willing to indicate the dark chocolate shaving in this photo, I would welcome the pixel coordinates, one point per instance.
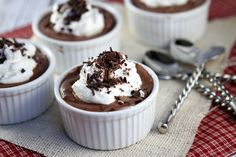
(135, 93)
(1, 44)
(6, 42)
(107, 62)
(69, 30)
(77, 9)
(122, 90)
(15, 44)
(2, 56)
(22, 70)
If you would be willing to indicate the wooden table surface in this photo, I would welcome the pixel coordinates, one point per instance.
(17, 13)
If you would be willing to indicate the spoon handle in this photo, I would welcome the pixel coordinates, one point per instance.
(225, 99)
(222, 77)
(217, 99)
(163, 126)
(222, 91)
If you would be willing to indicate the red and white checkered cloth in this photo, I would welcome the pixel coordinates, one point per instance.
(216, 135)
(8, 149)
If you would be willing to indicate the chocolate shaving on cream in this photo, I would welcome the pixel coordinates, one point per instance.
(77, 8)
(108, 77)
(76, 17)
(16, 62)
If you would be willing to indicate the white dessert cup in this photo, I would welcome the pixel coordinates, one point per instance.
(69, 53)
(24, 102)
(108, 130)
(158, 29)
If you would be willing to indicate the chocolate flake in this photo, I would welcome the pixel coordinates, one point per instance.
(120, 102)
(1, 44)
(77, 9)
(15, 46)
(22, 70)
(135, 93)
(2, 57)
(69, 30)
(125, 79)
(122, 90)
(107, 62)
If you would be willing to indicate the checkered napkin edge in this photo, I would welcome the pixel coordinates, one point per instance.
(8, 149)
(216, 135)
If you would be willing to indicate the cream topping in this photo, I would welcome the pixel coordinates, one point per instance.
(16, 61)
(105, 78)
(77, 17)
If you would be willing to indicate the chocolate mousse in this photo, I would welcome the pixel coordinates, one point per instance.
(191, 4)
(111, 76)
(13, 46)
(76, 9)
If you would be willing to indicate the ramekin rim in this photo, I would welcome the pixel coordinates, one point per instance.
(131, 6)
(45, 75)
(141, 105)
(104, 37)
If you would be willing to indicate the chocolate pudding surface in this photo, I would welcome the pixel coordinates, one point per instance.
(46, 28)
(42, 65)
(191, 4)
(67, 93)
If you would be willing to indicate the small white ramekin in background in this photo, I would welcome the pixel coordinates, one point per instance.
(69, 53)
(108, 130)
(27, 101)
(158, 29)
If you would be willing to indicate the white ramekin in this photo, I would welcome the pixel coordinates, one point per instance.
(27, 101)
(109, 130)
(158, 29)
(69, 53)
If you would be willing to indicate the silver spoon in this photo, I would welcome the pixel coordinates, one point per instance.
(168, 68)
(185, 51)
(167, 118)
(163, 126)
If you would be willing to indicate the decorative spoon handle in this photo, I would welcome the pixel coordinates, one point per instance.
(224, 93)
(223, 77)
(210, 94)
(163, 126)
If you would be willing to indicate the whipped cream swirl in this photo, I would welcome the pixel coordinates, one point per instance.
(106, 78)
(78, 18)
(16, 61)
(163, 3)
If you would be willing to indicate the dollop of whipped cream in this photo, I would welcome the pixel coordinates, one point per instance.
(163, 3)
(106, 78)
(78, 18)
(16, 61)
